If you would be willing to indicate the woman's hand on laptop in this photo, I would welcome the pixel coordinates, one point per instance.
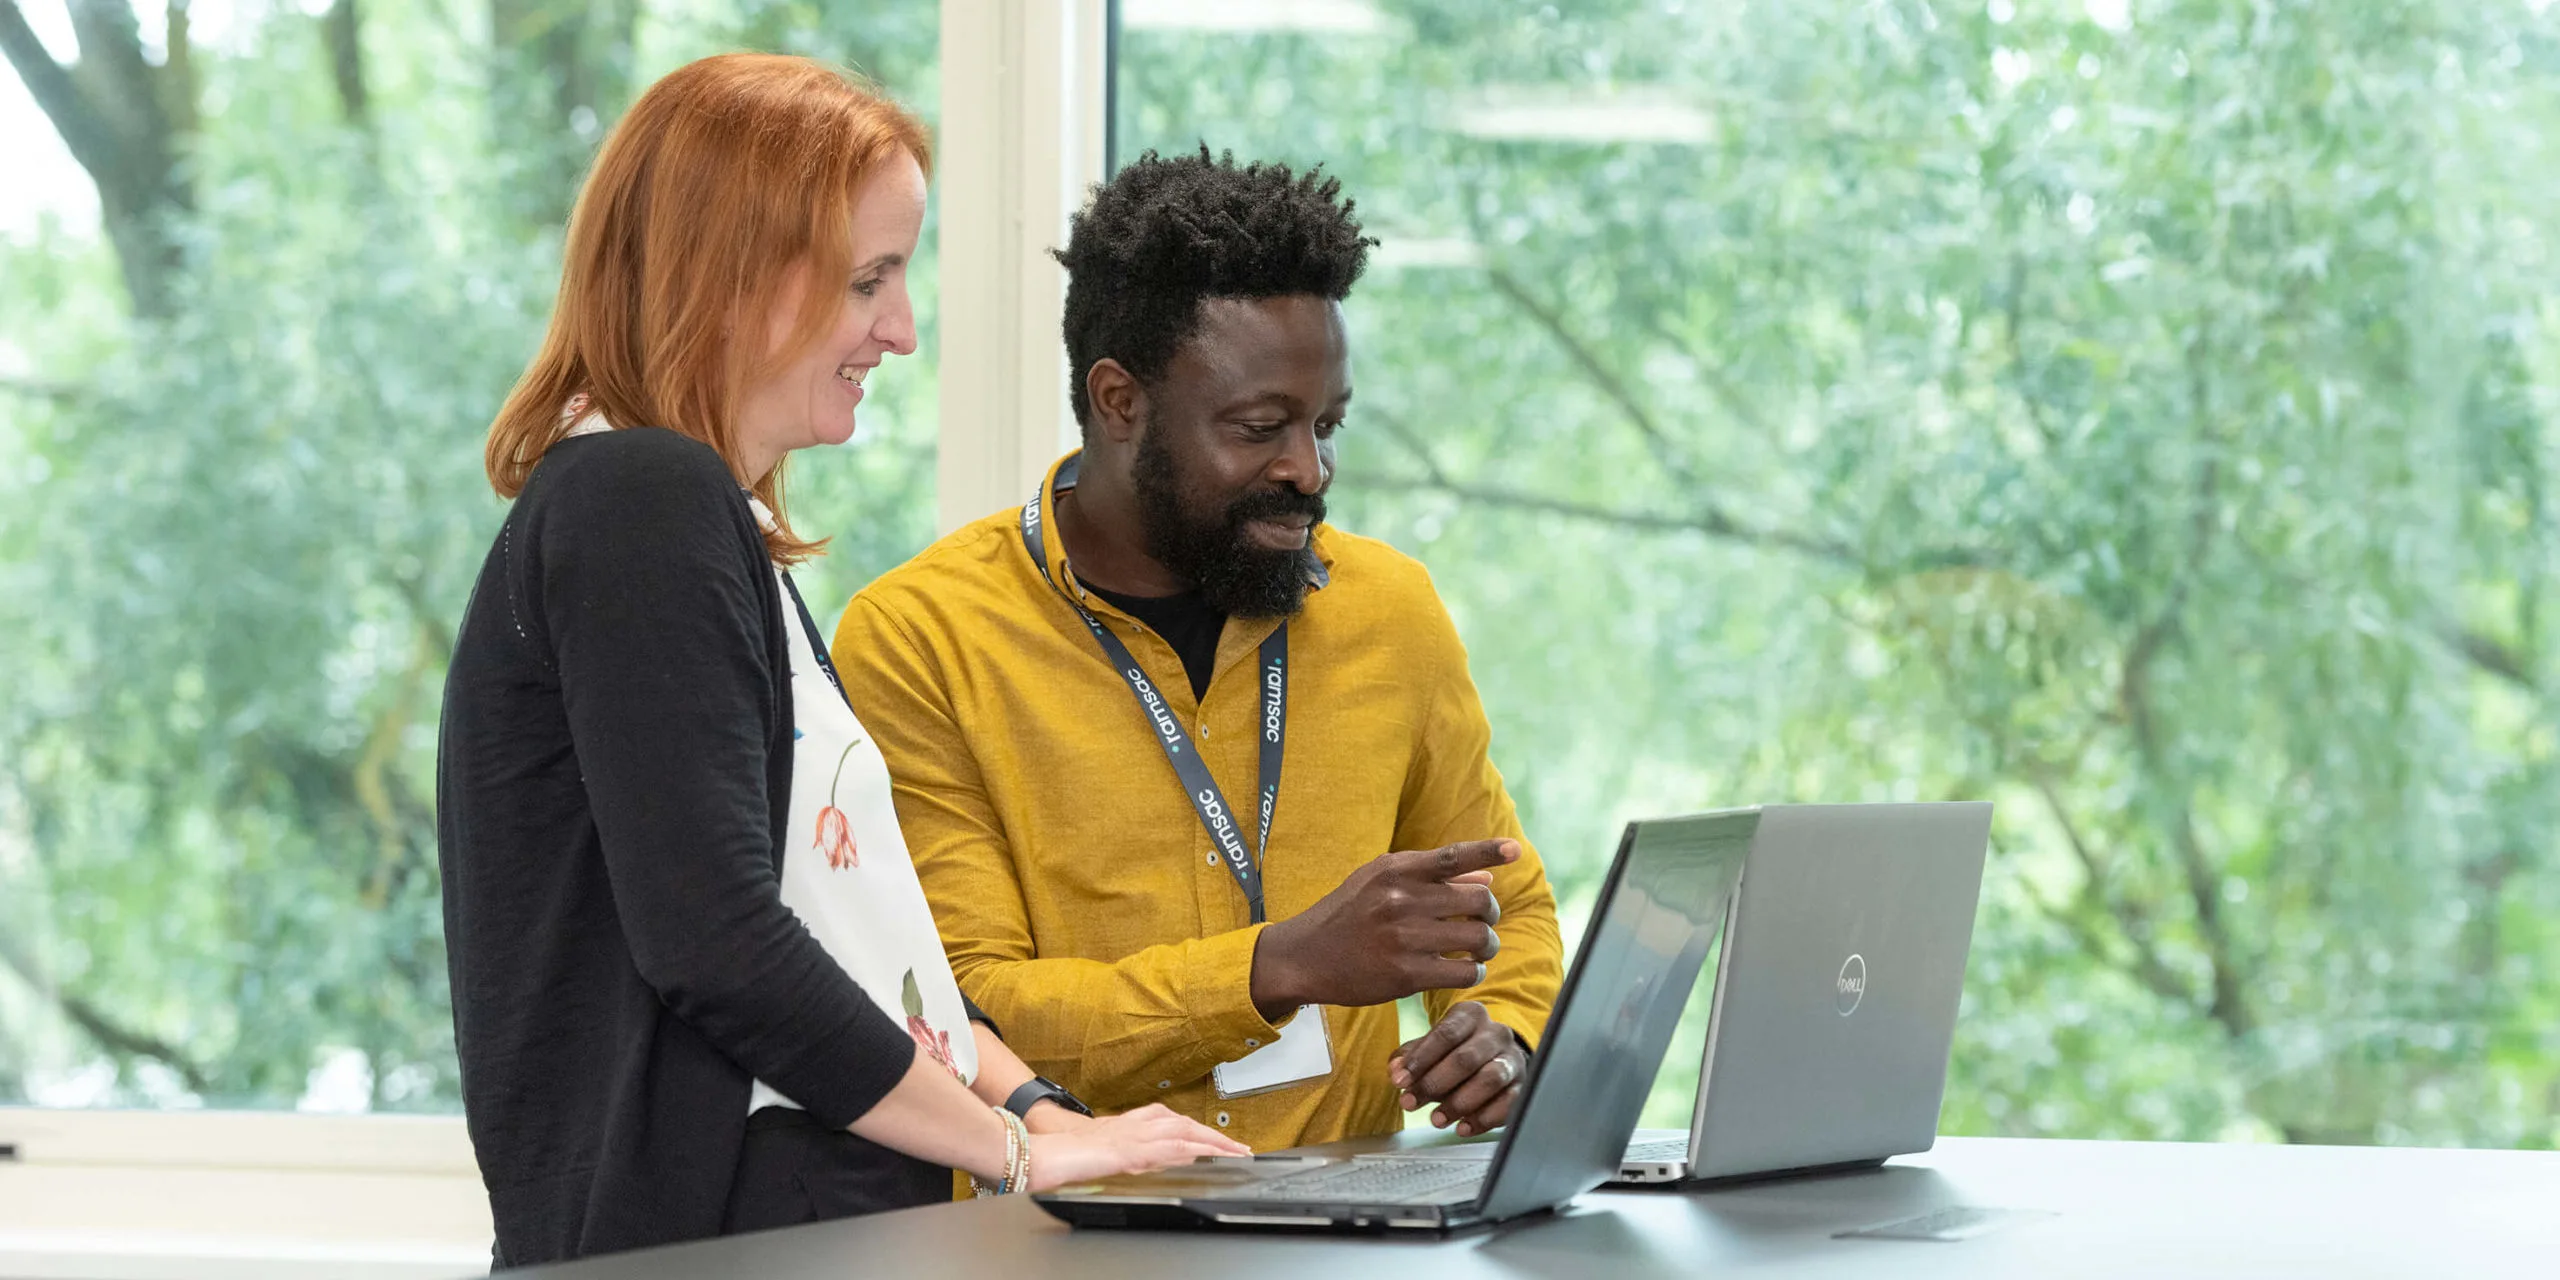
(1468, 1064)
(1152, 1137)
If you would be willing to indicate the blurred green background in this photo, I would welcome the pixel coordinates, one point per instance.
(2135, 413)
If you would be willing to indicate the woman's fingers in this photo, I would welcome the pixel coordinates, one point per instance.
(1156, 1136)
(1190, 1130)
(1181, 1151)
(1166, 1153)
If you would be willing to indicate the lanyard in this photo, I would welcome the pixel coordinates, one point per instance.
(1206, 799)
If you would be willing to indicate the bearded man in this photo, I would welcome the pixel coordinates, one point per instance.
(1073, 696)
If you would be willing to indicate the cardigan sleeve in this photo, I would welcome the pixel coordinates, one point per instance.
(659, 603)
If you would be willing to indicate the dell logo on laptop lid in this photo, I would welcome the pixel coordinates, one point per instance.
(1850, 989)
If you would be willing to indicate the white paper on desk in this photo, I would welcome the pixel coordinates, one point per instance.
(1303, 1052)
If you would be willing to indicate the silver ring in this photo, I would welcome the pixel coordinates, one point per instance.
(1509, 1071)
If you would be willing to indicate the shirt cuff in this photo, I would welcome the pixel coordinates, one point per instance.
(975, 1014)
(1223, 1020)
(1521, 1023)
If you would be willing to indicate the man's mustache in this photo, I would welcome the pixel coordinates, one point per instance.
(1274, 503)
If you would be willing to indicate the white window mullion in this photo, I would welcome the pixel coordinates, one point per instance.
(1021, 140)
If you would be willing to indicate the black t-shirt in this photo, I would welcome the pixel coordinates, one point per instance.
(1186, 622)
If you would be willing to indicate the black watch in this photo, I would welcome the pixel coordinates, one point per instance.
(1039, 1089)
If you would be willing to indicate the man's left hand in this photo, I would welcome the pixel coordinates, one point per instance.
(1469, 1065)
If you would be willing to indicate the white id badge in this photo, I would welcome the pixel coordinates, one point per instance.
(1303, 1052)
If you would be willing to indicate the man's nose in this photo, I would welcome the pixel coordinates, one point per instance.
(1301, 462)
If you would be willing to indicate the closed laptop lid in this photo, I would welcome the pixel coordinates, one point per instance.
(1838, 985)
(1661, 908)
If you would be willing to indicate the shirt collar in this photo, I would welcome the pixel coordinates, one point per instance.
(1062, 477)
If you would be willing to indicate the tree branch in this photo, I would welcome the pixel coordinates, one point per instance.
(95, 1022)
(88, 133)
(1616, 388)
(2133, 693)
(2204, 883)
(342, 29)
(46, 389)
(109, 109)
(2491, 656)
(119, 82)
(2147, 966)
(1717, 379)
(1710, 521)
(2013, 315)
(178, 71)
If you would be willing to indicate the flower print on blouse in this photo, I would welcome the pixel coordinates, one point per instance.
(859, 898)
(835, 831)
(852, 883)
(936, 1044)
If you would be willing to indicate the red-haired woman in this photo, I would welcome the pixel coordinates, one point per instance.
(696, 987)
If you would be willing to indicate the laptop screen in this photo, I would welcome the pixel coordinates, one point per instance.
(1659, 912)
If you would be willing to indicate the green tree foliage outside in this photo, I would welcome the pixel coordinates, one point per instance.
(241, 509)
(2128, 412)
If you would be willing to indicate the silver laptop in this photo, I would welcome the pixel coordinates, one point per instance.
(1835, 994)
(1668, 894)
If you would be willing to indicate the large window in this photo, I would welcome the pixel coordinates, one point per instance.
(2130, 411)
(251, 333)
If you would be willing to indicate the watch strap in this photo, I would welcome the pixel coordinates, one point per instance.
(1037, 1089)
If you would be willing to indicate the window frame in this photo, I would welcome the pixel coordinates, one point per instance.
(1025, 128)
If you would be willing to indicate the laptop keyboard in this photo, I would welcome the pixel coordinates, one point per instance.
(1660, 1150)
(1391, 1181)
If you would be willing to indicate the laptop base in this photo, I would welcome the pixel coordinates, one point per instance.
(1661, 908)
(1675, 1175)
(1211, 1215)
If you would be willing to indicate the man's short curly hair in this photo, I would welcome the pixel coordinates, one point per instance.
(1163, 235)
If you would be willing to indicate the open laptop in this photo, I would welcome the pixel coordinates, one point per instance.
(1835, 995)
(1665, 899)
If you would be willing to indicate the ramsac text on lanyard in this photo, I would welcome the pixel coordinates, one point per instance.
(1206, 799)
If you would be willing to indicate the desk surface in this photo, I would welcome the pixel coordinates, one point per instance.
(2115, 1209)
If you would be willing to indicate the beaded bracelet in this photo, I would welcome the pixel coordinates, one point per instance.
(1017, 1159)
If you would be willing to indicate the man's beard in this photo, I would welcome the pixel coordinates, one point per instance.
(1232, 575)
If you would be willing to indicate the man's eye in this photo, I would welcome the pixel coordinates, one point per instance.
(1325, 430)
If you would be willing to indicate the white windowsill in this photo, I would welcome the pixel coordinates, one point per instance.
(146, 1195)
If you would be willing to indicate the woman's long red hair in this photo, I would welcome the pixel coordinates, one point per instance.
(719, 180)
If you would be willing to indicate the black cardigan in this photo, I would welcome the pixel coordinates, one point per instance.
(612, 784)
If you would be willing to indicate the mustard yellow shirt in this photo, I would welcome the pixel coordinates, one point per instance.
(1082, 903)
